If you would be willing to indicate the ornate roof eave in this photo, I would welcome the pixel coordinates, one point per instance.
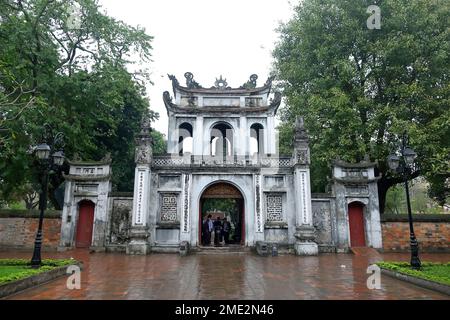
(90, 163)
(173, 108)
(275, 103)
(170, 106)
(362, 164)
(74, 177)
(231, 91)
(356, 181)
(265, 89)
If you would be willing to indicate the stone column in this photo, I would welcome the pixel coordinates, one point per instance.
(139, 235)
(270, 132)
(259, 220)
(185, 206)
(172, 135)
(305, 233)
(244, 136)
(66, 239)
(198, 137)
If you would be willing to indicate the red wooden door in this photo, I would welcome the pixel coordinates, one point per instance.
(356, 221)
(85, 224)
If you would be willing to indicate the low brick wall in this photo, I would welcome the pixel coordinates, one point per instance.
(432, 232)
(18, 229)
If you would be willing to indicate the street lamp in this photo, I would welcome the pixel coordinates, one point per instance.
(403, 165)
(42, 151)
(47, 163)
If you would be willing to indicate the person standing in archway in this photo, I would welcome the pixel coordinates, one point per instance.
(217, 231)
(226, 230)
(207, 227)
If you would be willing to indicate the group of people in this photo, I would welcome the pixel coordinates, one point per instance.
(220, 228)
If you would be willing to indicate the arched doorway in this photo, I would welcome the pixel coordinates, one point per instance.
(223, 199)
(257, 139)
(85, 224)
(185, 138)
(356, 224)
(221, 140)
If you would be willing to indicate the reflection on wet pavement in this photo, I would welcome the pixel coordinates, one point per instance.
(228, 276)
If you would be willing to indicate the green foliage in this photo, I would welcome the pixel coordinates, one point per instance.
(159, 143)
(26, 213)
(17, 269)
(420, 202)
(225, 205)
(439, 188)
(45, 262)
(359, 89)
(436, 272)
(76, 80)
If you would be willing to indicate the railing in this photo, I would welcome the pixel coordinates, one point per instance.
(220, 161)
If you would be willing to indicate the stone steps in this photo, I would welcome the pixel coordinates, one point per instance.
(231, 249)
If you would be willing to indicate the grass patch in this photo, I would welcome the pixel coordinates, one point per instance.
(17, 269)
(437, 272)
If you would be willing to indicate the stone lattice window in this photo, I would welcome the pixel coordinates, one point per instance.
(169, 207)
(274, 207)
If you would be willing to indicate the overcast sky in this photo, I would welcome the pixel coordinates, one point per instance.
(232, 38)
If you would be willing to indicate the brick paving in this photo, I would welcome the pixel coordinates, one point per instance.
(228, 276)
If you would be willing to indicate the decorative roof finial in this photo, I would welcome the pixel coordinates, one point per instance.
(221, 83)
(250, 84)
(190, 82)
(146, 123)
(300, 131)
(269, 81)
(143, 152)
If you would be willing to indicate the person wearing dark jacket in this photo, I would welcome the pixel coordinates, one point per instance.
(207, 228)
(217, 231)
(226, 228)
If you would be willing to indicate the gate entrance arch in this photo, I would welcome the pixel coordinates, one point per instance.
(223, 199)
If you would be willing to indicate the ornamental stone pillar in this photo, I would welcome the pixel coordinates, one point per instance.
(198, 137)
(305, 233)
(139, 234)
(243, 137)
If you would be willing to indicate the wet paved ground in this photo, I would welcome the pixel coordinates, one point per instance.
(169, 276)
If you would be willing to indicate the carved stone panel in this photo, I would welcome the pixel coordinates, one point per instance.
(322, 222)
(169, 207)
(258, 213)
(169, 181)
(274, 207)
(355, 173)
(356, 190)
(120, 221)
(302, 157)
(274, 181)
(186, 203)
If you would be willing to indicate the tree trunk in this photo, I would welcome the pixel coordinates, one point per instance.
(385, 183)
(382, 192)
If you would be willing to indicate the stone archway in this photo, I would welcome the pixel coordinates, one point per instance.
(225, 190)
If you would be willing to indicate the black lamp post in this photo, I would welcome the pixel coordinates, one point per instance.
(47, 163)
(402, 164)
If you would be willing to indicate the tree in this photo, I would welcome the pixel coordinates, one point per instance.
(359, 89)
(159, 143)
(73, 67)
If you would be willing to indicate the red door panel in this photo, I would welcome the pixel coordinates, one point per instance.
(356, 221)
(85, 224)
